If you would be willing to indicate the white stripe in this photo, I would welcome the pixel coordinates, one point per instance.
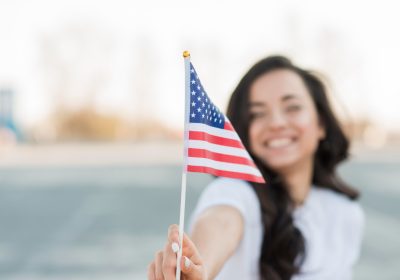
(233, 167)
(213, 131)
(200, 144)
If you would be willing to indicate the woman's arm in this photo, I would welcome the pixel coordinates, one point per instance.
(215, 236)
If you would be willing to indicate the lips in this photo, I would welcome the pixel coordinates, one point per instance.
(279, 142)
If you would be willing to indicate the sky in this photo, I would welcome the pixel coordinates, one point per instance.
(125, 57)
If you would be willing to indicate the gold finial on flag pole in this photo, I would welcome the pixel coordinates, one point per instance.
(186, 54)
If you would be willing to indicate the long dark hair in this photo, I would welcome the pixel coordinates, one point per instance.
(283, 245)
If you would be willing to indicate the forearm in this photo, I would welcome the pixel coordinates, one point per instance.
(216, 234)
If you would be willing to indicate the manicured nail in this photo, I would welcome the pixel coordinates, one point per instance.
(175, 247)
(187, 262)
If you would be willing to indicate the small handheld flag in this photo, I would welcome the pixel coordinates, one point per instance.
(211, 145)
(214, 147)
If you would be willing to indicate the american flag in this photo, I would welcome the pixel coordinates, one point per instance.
(213, 145)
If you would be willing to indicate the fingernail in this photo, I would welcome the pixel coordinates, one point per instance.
(187, 262)
(175, 247)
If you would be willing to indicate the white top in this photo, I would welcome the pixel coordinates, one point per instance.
(331, 225)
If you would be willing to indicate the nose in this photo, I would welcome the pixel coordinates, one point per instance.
(277, 120)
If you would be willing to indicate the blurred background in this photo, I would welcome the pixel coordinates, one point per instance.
(91, 120)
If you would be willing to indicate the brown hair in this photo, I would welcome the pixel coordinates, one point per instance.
(283, 245)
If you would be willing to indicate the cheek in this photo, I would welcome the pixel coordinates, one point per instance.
(309, 129)
(255, 129)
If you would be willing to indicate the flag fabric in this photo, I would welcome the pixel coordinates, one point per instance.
(213, 145)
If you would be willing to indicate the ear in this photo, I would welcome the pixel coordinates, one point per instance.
(321, 130)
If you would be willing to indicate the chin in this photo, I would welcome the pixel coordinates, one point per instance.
(279, 168)
(280, 165)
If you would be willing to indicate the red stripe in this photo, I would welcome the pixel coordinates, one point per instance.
(223, 173)
(202, 153)
(228, 126)
(198, 135)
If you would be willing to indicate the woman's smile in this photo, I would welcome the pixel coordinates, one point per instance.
(279, 143)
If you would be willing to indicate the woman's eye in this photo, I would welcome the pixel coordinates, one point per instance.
(293, 108)
(255, 115)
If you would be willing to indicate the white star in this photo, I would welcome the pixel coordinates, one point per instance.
(214, 114)
(193, 104)
(198, 87)
(198, 110)
(202, 116)
(206, 111)
(209, 106)
(220, 121)
(193, 92)
(202, 93)
(193, 82)
(193, 115)
(192, 70)
(215, 120)
(203, 104)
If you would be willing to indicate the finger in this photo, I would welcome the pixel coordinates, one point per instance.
(173, 238)
(188, 245)
(170, 252)
(151, 271)
(191, 270)
(189, 249)
(169, 262)
(158, 265)
(173, 234)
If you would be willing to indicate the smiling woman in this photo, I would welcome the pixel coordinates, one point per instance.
(285, 128)
(303, 223)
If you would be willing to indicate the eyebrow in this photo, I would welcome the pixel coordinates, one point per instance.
(256, 104)
(289, 97)
(284, 98)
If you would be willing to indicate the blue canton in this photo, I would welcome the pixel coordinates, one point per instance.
(202, 110)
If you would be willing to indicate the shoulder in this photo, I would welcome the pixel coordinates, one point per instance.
(332, 222)
(235, 193)
(338, 205)
(338, 200)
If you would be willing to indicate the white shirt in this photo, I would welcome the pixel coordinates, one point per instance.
(330, 223)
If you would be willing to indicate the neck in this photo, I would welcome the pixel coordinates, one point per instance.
(298, 181)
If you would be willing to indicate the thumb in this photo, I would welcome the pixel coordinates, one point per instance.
(191, 270)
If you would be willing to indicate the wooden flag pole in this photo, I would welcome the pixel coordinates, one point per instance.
(186, 56)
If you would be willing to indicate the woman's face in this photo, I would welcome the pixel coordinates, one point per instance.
(284, 131)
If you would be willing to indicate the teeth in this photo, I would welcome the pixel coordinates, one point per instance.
(277, 143)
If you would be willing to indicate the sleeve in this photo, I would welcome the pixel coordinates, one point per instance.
(356, 237)
(236, 193)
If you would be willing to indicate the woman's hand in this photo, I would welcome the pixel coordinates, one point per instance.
(164, 264)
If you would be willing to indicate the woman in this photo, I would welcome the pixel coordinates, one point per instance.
(304, 223)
